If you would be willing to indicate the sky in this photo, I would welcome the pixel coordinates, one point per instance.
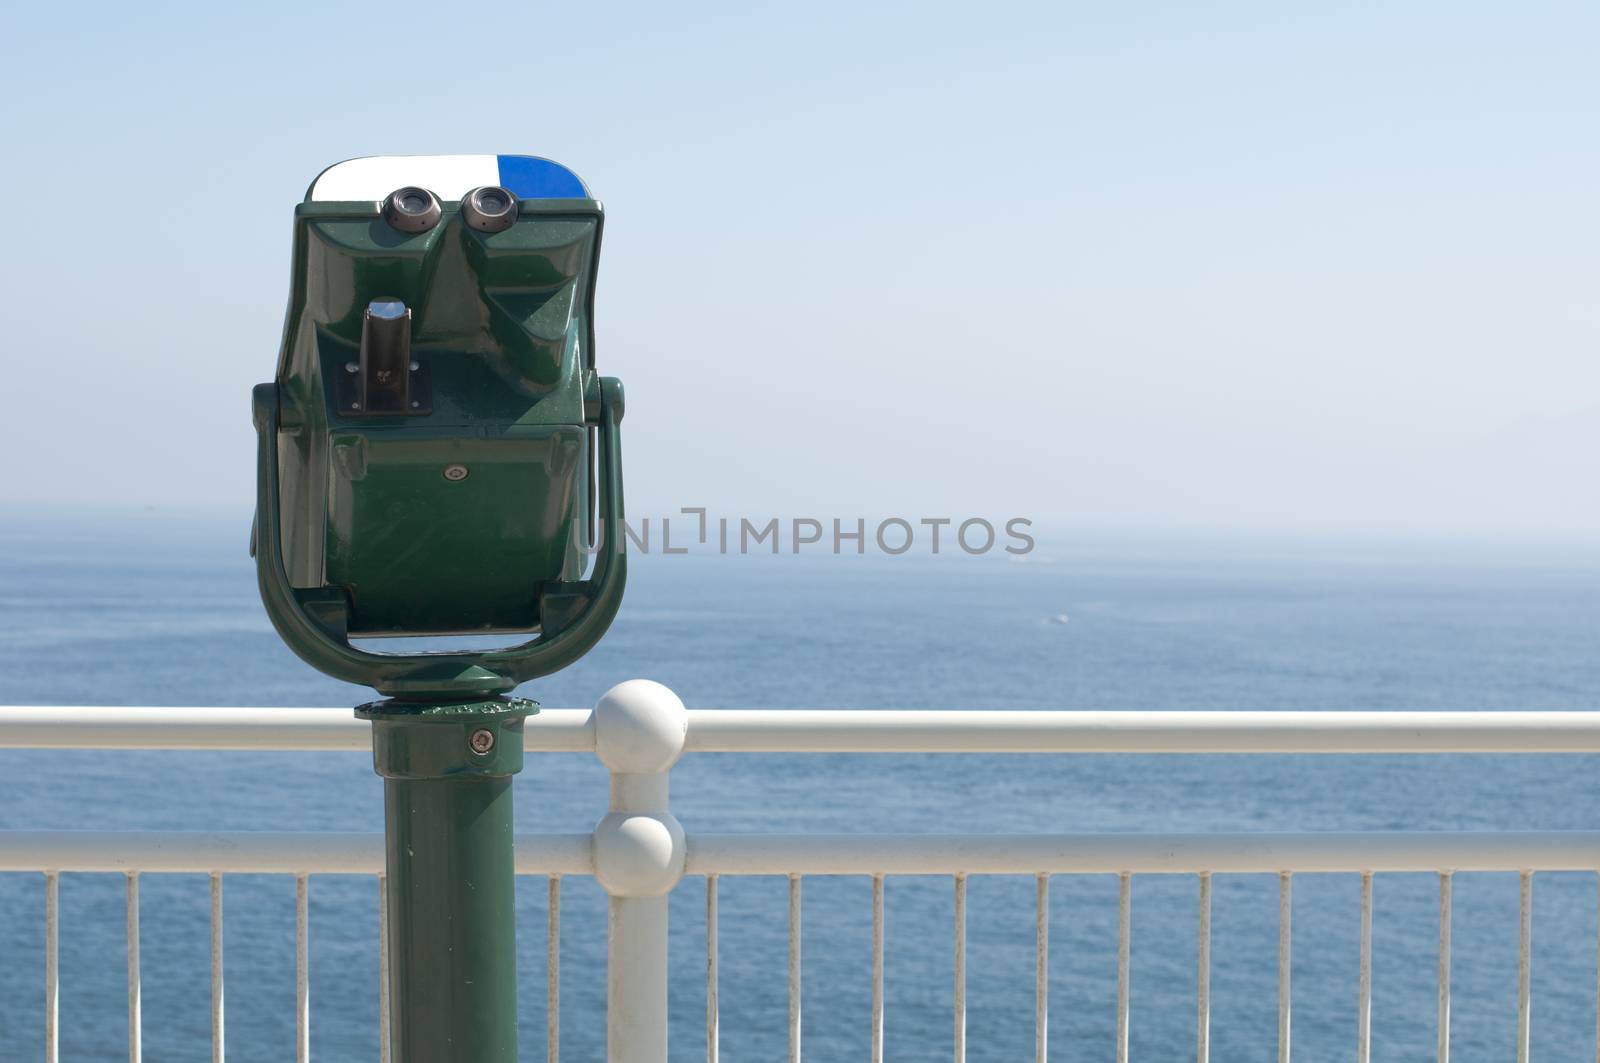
(1212, 266)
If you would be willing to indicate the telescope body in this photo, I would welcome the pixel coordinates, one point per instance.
(436, 417)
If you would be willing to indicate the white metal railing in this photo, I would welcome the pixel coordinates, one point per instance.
(848, 731)
(639, 852)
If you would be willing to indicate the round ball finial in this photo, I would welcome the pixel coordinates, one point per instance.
(639, 855)
(639, 727)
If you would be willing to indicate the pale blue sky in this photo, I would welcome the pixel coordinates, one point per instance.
(1237, 265)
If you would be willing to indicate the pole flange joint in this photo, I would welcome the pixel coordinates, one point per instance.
(447, 740)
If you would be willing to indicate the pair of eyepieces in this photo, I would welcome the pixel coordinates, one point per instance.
(489, 209)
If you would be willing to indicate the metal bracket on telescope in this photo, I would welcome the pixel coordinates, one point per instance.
(310, 620)
(387, 379)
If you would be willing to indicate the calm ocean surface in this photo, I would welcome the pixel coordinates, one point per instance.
(155, 611)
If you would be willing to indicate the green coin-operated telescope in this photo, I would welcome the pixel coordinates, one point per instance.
(436, 436)
(436, 456)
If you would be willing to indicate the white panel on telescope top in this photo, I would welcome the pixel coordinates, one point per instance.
(446, 176)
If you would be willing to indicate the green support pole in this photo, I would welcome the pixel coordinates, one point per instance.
(447, 771)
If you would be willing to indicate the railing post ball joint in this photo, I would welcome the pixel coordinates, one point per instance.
(427, 456)
(640, 728)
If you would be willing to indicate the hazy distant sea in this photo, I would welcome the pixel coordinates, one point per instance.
(158, 611)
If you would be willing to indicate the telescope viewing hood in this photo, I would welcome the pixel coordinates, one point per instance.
(437, 455)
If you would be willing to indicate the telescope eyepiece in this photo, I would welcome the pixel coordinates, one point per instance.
(489, 209)
(412, 209)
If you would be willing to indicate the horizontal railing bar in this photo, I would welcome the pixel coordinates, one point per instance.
(130, 727)
(1022, 854)
(258, 729)
(251, 852)
(275, 852)
(849, 731)
(977, 731)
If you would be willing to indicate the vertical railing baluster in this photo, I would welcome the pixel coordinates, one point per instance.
(552, 972)
(302, 971)
(1202, 1047)
(1444, 966)
(135, 1019)
(52, 967)
(384, 1049)
(1124, 928)
(217, 1037)
(713, 1018)
(877, 969)
(1364, 1011)
(1525, 970)
(959, 1008)
(794, 969)
(1041, 968)
(1285, 963)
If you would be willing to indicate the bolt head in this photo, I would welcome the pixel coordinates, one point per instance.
(481, 741)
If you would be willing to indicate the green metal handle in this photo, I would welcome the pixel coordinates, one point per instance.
(447, 674)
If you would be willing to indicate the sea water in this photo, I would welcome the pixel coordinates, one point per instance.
(150, 610)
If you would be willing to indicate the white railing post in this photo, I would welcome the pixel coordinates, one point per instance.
(640, 728)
